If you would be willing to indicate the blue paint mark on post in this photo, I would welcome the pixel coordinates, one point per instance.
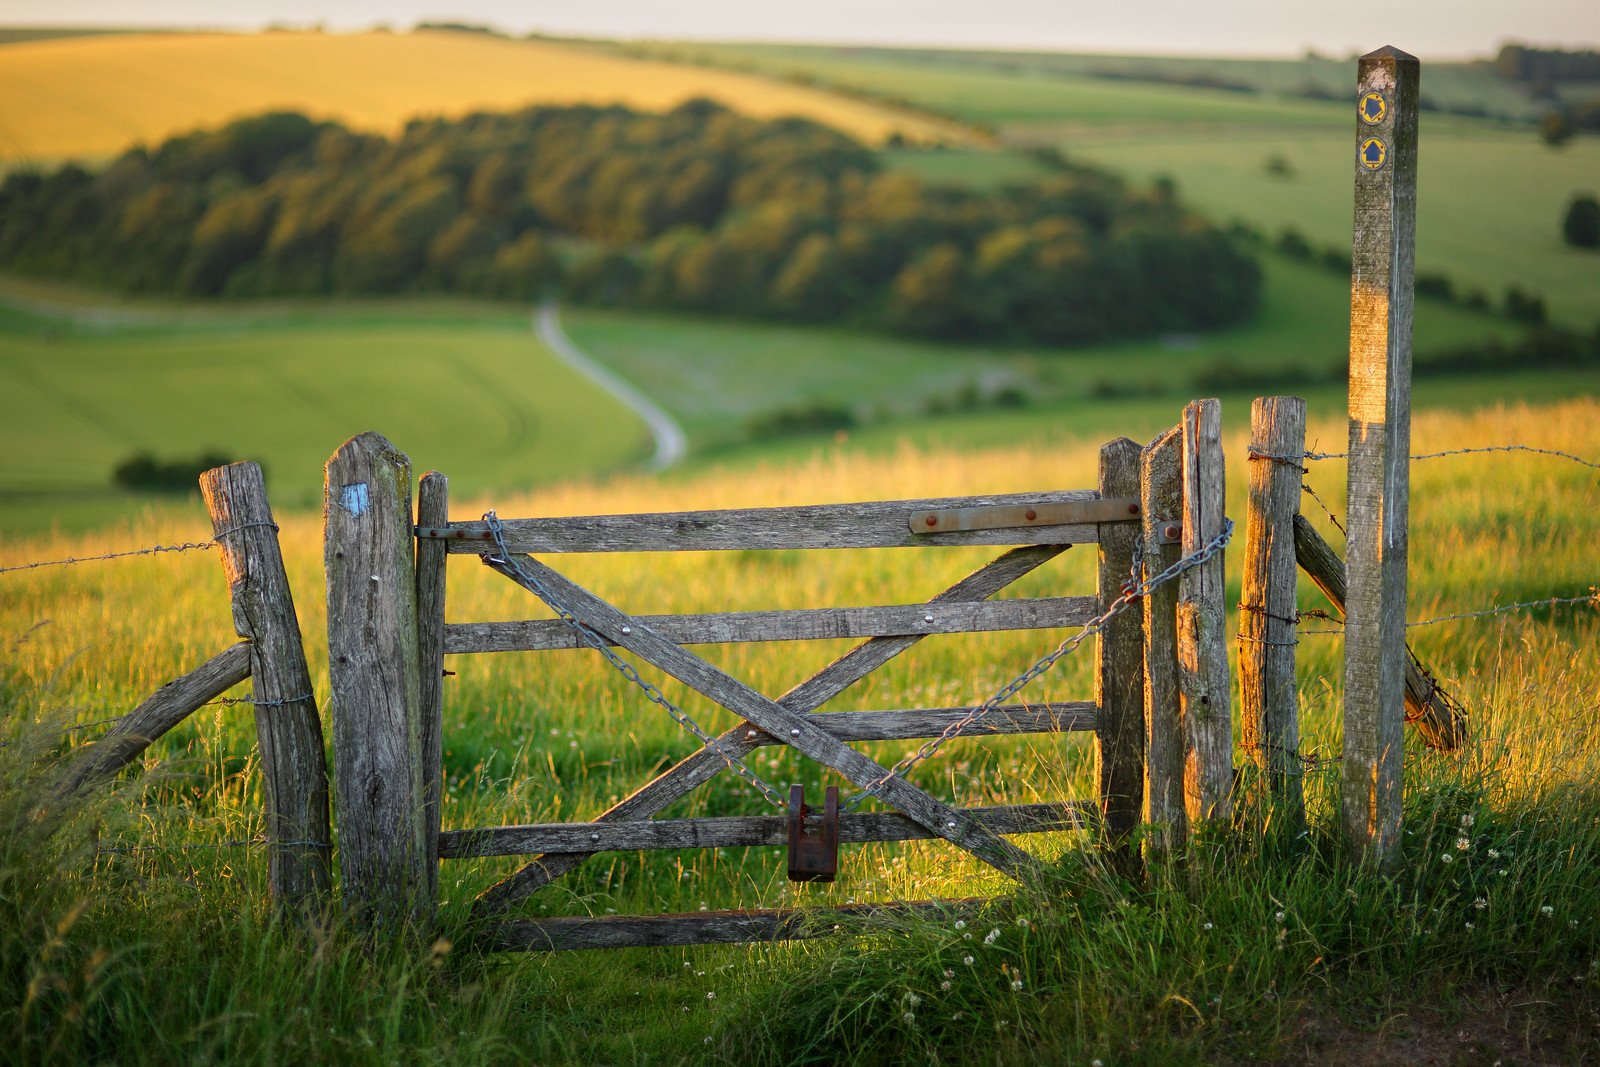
(354, 498)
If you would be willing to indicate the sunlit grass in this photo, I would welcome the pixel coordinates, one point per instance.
(559, 736)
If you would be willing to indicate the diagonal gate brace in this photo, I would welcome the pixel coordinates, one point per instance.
(703, 765)
(801, 733)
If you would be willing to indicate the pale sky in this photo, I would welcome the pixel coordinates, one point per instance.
(1435, 29)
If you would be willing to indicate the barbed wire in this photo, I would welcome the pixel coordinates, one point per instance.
(1593, 598)
(246, 843)
(187, 546)
(1294, 458)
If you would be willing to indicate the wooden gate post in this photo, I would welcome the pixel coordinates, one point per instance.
(369, 556)
(1271, 728)
(1380, 442)
(1203, 683)
(1119, 659)
(288, 731)
(433, 509)
(1161, 499)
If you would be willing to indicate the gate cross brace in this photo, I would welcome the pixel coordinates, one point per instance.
(791, 710)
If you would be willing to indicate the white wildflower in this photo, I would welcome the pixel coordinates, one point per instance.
(1471, 926)
(711, 996)
(1447, 858)
(944, 984)
(911, 1000)
(1016, 986)
(1547, 911)
(1207, 926)
(1462, 844)
(1279, 916)
(1494, 853)
(1467, 820)
(909, 1017)
(961, 924)
(992, 936)
(1480, 903)
(967, 960)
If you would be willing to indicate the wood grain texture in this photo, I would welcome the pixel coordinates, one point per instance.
(1203, 684)
(1119, 658)
(433, 508)
(877, 524)
(155, 715)
(802, 624)
(294, 767)
(1379, 471)
(1428, 707)
(700, 767)
(735, 831)
(1161, 500)
(804, 734)
(377, 701)
(907, 724)
(1270, 726)
(721, 927)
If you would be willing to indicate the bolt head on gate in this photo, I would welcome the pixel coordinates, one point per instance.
(813, 855)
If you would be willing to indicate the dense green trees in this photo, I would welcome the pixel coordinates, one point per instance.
(698, 209)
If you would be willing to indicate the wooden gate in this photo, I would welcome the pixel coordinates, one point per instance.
(388, 696)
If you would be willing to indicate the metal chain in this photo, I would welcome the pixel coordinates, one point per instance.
(590, 638)
(1140, 588)
(187, 546)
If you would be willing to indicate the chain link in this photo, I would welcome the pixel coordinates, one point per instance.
(654, 695)
(1140, 588)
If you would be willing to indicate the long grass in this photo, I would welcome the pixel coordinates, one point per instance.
(1261, 947)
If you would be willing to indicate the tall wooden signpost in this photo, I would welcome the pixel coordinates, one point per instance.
(1380, 443)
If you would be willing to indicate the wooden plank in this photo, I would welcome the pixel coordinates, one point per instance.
(1270, 726)
(1380, 442)
(1161, 499)
(804, 734)
(803, 624)
(720, 927)
(735, 831)
(997, 517)
(907, 724)
(1203, 683)
(294, 766)
(372, 664)
(1119, 662)
(1428, 707)
(155, 715)
(876, 524)
(701, 766)
(433, 509)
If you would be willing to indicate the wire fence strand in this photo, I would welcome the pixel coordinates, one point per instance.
(187, 546)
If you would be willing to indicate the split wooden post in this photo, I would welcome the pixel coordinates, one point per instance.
(288, 731)
(1270, 728)
(433, 509)
(1119, 657)
(1203, 683)
(1380, 443)
(1161, 499)
(369, 555)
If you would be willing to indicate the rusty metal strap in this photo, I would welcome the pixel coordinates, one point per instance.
(1007, 516)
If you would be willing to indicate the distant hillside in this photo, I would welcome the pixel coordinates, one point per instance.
(699, 209)
(94, 96)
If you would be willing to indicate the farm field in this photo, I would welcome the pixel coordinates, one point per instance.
(93, 97)
(1490, 194)
(1462, 946)
(469, 389)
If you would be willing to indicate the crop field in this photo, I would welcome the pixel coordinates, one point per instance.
(1490, 195)
(1185, 971)
(93, 97)
(471, 388)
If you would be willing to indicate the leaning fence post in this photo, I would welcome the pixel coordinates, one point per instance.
(1270, 729)
(433, 510)
(1161, 500)
(1203, 682)
(1380, 443)
(372, 664)
(288, 731)
(1119, 656)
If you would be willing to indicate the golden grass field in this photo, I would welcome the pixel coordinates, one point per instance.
(92, 97)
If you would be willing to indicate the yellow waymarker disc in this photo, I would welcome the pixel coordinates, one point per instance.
(1374, 108)
(1374, 153)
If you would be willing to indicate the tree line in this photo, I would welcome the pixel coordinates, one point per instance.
(699, 209)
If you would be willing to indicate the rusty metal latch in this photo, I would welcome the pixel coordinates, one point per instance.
(813, 855)
(1169, 532)
(1006, 516)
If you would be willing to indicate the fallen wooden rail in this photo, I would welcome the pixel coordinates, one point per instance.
(1433, 713)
